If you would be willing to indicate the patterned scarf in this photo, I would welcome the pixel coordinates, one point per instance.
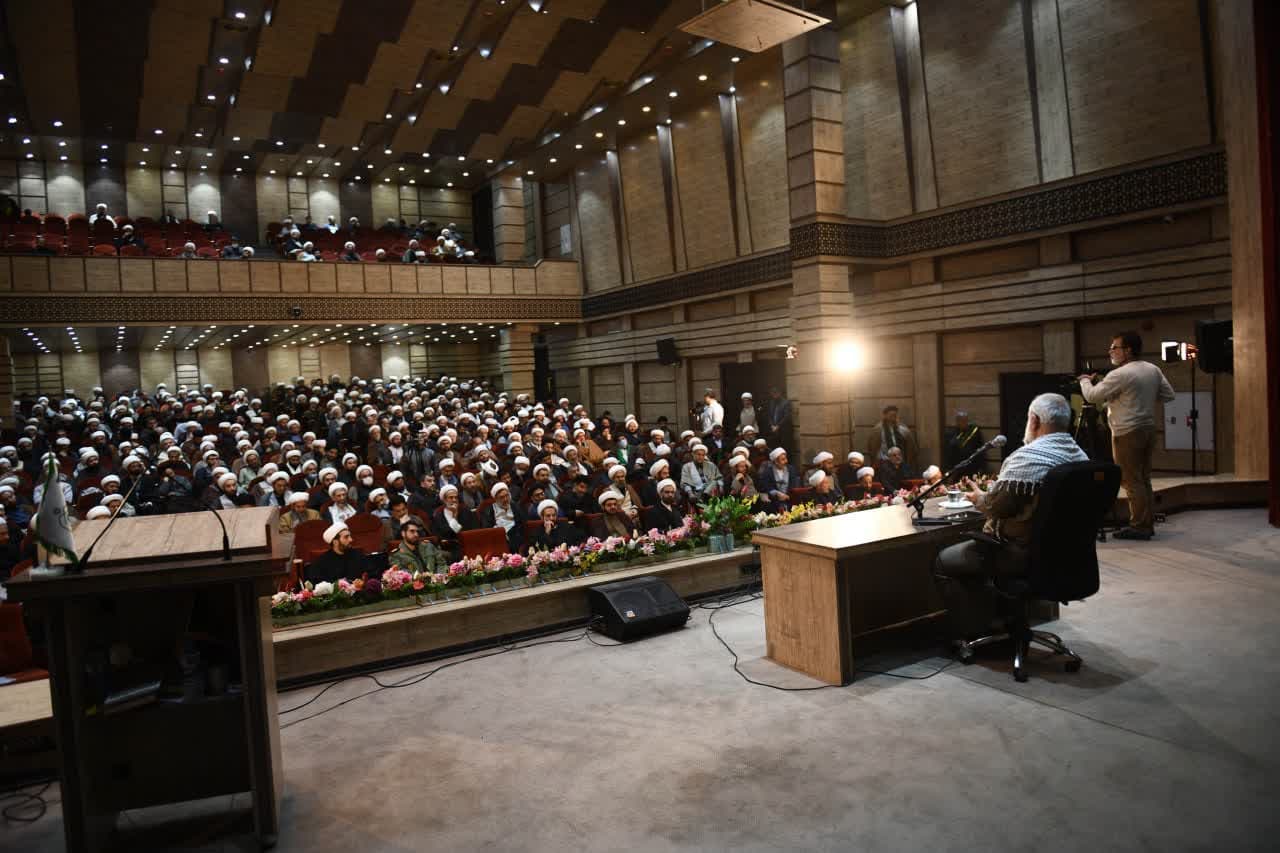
(1025, 469)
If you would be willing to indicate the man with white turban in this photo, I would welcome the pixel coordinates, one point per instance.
(342, 560)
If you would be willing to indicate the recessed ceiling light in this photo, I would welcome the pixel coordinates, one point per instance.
(449, 184)
(599, 134)
(146, 150)
(102, 160)
(240, 16)
(309, 162)
(461, 157)
(56, 122)
(279, 142)
(386, 180)
(426, 170)
(273, 171)
(243, 156)
(235, 139)
(336, 164)
(299, 174)
(645, 109)
(140, 162)
(402, 168)
(224, 60)
(173, 165)
(490, 160)
(202, 166)
(238, 169)
(63, 157)
(673, 94)
(702, 78)
(621, 121)
(578, 146)
(368, 166)
(735, 59)
(103, 146)
(386, 150)
(26, 140)
(417, 85)
(158, 131)
(388, 115)
(199, 134)
(552, 160)
(62, 143)
(212, 97)
(530, 172)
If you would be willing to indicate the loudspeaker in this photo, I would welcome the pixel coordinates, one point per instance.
(1213, 345)
(667, 351)
(630, 609)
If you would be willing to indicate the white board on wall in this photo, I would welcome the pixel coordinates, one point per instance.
(1177, 426)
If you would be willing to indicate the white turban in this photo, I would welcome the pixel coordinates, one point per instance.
(666, 482)
(775, 453)
(824, 456)
(332, 531)
(658, 466)
(615, 469)
(817, 477)
(856, 458)
(541, 466)
(606, 496)
(498, 487)
(449, 489)
(334, 488)
(864, 471)
(111, 478)
(97, 512)
(277, 476)
(294, 497)
(376, 492)
(225, 477)
(931, 472)
(548, 503)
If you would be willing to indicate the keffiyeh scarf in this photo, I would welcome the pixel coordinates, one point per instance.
(1025, 469)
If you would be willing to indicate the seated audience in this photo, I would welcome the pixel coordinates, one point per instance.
(296, 512)
(892, 470)
(613, 520)
(667, 513)
(554, 531)
(416, 553)
(342, 560)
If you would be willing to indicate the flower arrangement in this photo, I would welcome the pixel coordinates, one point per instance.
(474, 574)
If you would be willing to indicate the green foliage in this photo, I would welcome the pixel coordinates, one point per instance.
(729, 515)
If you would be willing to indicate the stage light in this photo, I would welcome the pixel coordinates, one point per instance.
(847, 356)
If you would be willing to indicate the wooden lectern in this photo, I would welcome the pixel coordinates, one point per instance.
(159, 603)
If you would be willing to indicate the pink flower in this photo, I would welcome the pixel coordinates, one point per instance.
(515, 561)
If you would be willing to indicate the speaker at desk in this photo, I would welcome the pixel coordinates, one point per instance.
(630, 609)
(667, 351)
(1213, 345)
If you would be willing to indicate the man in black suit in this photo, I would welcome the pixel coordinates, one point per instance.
(778, 430)
(668, 512)
(342, 560)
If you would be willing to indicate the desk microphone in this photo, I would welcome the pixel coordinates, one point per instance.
(918, 502)
(84, 561)
(226, 542)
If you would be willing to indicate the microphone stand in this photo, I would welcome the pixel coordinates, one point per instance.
(84, 561)
(918, 501)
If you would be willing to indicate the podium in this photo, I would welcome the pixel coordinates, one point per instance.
(159, 602)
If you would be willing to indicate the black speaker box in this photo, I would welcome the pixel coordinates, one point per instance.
(667, 351)
(630, 609)
(1213, 345)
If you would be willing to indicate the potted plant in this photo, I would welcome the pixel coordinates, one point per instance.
(727, 517)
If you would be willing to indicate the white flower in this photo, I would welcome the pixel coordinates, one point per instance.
(279, 598)
(323, 588)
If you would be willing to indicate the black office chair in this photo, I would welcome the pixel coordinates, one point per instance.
(1061, 559)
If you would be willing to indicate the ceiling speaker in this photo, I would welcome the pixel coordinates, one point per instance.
(754, 25)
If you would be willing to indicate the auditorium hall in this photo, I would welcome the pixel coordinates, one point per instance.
(639, 425)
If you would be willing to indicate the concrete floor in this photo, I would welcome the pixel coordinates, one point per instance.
(1169, 739)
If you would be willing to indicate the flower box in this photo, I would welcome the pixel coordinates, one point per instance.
(343, 612)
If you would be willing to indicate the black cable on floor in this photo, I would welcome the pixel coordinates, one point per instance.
(26, 800)
(417, 678)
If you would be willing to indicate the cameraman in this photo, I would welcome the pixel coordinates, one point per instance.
(1130, 391)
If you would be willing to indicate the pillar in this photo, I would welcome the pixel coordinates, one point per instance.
(508, 221)
(515, 356)
(8, 420)
(819, 384)
(1248, 95)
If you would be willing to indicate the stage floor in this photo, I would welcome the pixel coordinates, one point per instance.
(1166, 740)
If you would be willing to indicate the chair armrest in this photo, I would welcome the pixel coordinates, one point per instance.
(983, 539)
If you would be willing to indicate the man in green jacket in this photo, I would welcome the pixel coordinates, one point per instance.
(416, 554)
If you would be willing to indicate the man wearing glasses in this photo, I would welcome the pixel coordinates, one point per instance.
(1130, 391)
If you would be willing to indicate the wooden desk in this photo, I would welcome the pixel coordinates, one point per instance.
(153, 585)
(828, 582)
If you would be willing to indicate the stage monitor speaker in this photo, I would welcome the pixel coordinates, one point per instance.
(667, 351)
(630, 609)
(1213, 345)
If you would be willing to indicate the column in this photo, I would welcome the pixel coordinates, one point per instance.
(515, 355)
(1244, 88)
(7, 396)
(508, 221)
(818, 383)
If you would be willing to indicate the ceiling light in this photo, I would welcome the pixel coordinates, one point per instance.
(621, 122)
(103, 160)
(490, 160)
(299, 174)
(26, 140)
(325, 175)
(386, 151)
(146, 150)
(212, 97)
(159, 131)
(223, 60)
(368, 166)
(173, 165)
(273, 171)
(103, 146)
(279, 142)
(449, 184)
(240, 16)
(578, 146)
(62, 143)
(140, 162)
(309, 162)
(552, 160)
(336, 164)
(599, 134)
(386, 180)
(530, 172)
(355, 147)
(238, 169)
(417, 85)
(202, 166)
(735, 59)
(702, 78)
(426, 171)
(57, 122)
(63, 157)
(732, 89)
(388, 115)
(319, 144)
(199, 134)
(235, 139)
(673, 94)
(645, 109)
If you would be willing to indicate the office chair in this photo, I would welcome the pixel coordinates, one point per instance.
(1059, 564)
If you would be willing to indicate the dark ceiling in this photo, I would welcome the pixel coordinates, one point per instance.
(324, 86)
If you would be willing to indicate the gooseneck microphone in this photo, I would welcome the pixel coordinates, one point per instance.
(84, 561)
(918, 502)
(226, 541)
